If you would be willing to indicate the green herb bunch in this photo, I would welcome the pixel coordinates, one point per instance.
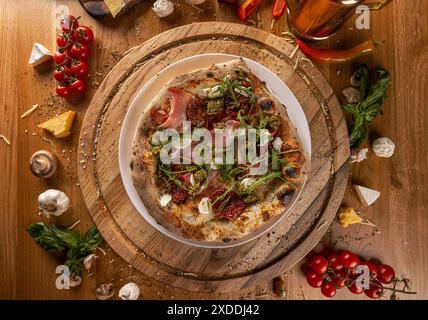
(372, 96)
(73, 244)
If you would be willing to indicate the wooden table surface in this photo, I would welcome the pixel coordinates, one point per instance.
(28, 272)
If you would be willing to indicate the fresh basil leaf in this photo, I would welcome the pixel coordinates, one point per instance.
(365, 81)
(68, 238)
(91, 240)
(45, 237)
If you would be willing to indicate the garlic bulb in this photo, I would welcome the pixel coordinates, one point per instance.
(53, 202)
(129, 291)
(383, 147)
(163, 8)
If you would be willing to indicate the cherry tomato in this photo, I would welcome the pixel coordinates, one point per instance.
(335, 263)
(61, 41)
(319, 264)
(80, 69)
(73, 36)
(68, 72)
(69, 22)
(348, 259)
(86, 34)
(78, 86)
(59, 75)
(315, 280)
(60, 57)
(339, 280)
(352, 286)
(63, 91)
(385, 273)
(375, 291)
(328, 290)
(372, 268)
(80, 51)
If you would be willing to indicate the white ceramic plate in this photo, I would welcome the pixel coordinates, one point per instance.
(149, 91)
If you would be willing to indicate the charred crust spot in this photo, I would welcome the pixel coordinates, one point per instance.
(292, 173)
(226, 240)
(131, 165)
(286, 195)
(209, 74)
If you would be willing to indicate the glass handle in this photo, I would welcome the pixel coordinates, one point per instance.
(377, 5)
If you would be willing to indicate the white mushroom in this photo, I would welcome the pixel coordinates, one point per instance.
(105, 291)
(129, 291)
(43, 164)
(75, 280)
(53, 202)
(383, 147)
(163, 8)
(356, 79)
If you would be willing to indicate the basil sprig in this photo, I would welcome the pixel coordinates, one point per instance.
(73, 244)
(372, 98)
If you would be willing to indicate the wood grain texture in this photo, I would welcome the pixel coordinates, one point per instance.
(400, 213)
(199, 269)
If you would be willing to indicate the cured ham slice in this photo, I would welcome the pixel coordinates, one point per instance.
(180, 100)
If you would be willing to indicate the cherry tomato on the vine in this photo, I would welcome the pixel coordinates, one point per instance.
(328, 290)
(78, 86)
(385, 273)
(80, 69)
(60, 57)
(59, 75)
(319, 264)
(69, 22)
(80, 51)
(349, 260)
(61, 41)
(63, 91)
(372, 268)
(339, 279)
(375, 291)
(85, 34)
(352, 286)
(315, 280)
(335, 263)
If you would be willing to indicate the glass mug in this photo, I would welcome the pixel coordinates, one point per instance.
(320, 19)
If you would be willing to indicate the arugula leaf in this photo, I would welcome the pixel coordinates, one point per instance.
(260, 181)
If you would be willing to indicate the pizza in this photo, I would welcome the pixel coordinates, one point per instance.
(217, 200)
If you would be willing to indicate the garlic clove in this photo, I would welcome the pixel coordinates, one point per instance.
(129, 291)
(89, 260)
(105, 291)
(44, 164)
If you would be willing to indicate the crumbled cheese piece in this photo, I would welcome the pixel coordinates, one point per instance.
(383, 147)
(29, 111)
(277, 144)
(348, 216)
(366, 195)
(165, 200)
(213, 92)
(358, 155)
(192, 180)
(60, 126)
(204, 206)
(157, 138)
(39, 54)
(163, 8)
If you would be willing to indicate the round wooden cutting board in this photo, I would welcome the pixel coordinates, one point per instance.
(184, 266)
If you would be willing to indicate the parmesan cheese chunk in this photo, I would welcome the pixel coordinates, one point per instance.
(277, 144)
(39, 55)
(366, 195)
(60, 126)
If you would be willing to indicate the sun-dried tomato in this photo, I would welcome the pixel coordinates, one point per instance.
(233, 210)
(179, 195)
